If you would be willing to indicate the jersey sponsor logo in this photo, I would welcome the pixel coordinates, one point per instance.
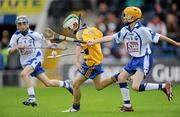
(29, 43)
(132, 43)
(132, 46)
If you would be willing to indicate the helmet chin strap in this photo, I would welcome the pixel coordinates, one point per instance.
(24, 33)
(128, 23)
(76, 30)
(79, 23)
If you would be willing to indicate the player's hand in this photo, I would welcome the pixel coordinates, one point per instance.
(53, 46)
(79, 66)
(178, 44)
(21, 47)
(91, 42)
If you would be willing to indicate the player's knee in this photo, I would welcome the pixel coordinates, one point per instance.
(75, 85)
(98, 88)
(135, 87)
(23, 75)
(121, 80)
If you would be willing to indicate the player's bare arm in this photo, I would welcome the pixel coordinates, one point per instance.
(101, 40)
(12, 50)
(48, 42)
(52, 45)
(78, 55)
(169, 40)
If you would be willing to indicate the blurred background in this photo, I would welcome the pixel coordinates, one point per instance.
(162, 16)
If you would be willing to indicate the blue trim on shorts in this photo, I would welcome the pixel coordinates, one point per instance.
(138, 63)
(91, 72)
(38, 69)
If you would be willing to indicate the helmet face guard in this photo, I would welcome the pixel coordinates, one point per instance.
(70, 20)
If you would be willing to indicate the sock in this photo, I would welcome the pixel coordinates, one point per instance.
(61, 83)
(76, 106)
(161, 86)
(116, 76)
(151, 86)
(125, 94)
(31, 93)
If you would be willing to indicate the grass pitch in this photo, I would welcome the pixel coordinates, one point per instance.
(105, 103)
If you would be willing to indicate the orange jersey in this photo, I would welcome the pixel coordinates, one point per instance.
(93, 54)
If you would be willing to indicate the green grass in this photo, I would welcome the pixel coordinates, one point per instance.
(105, 103)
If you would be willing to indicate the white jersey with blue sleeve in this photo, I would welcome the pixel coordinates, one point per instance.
(29, 55)
(137, 40)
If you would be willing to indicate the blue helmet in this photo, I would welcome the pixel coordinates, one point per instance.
(21, 19)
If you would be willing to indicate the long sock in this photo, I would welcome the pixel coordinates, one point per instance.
(31, 93)
(151, 86)
(116, 77)
(125, 94)
(63, 84)
(76, 106)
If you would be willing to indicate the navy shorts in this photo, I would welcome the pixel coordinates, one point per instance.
(91, 71)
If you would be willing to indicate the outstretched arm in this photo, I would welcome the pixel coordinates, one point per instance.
(100, 40)
(104, 39)
(51, 45)
(48, 42)
(169, 40)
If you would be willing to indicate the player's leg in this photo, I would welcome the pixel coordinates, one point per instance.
(101, 83)
(76, 94)
(143, 68)
(25, 74)
(33, 68)
(122, 80)
(137, 85)
(55, 83)
(136, 81)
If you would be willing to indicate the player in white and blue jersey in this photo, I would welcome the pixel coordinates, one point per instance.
(137, 39)
(25, 42)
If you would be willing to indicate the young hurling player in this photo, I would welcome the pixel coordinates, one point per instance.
(137, 39)
(91, 68)
(25, 40)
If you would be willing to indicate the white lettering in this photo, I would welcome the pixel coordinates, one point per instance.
(163, 73)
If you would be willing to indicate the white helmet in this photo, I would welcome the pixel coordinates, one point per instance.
(21, 18)
(70, 20)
